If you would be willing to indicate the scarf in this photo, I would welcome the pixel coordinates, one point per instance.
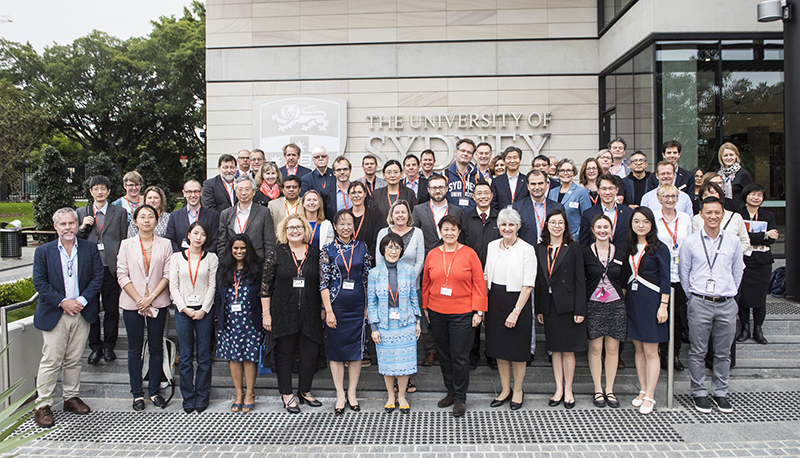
(273, 192)
(727, 174)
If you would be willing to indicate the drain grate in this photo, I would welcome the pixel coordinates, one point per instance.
(782, 308)
(752, 407)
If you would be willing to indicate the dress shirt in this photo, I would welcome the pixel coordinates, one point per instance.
(485, 175)
(695, 270)
(622, 170)
(241, 218)
(539, 209)
(413, 185)
(438, 212)
(512, 184)
(71, 289)
(192, 218)
(683, 225)
(343, 201)
(650, 200)
(100, 221)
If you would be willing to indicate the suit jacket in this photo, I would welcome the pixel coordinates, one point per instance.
(576, 201)
(329, 201)
(380, 203)
(501, 191)
(423, 219)
(277, 209)
(568, 282)
(115, 230)
(529, 231)
(215, 195)
(684, 181)
(49, 282)
(422, 189)
(477, 235)
(178, 227)
(377, 183)
(620, 238)
(653, 268)
(301, 171)
(258, 227)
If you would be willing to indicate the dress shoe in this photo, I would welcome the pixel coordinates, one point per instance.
(77, 406)
(599, 400)
(758, 335)
(158, 401)
(499, 402)
(44, 417)
(459, 409)
(678, 364)
(366, 361)
(94, 357)
(517, 405)
(446, 401)
(555, 402)
(620, 364)
(201, 409)
(291, 406)
(569, 405)
(744, 334)
(429, 359)
(109, 355)
(612, 401)
(188, 409)
(138, 405)
(311, 402)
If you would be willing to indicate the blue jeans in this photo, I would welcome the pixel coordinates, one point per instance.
(195, 387)
(134, 326)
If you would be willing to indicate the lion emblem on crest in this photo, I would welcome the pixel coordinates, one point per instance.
(307, 117)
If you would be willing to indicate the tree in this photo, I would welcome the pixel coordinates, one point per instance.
(53, 191)
(100, 164)
(151, 176)
(23, 124)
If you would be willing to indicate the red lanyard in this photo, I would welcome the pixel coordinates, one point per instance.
(144, 254)
(444, 261)
(395, 294)
(594, 199)
(229, 190)
(291, 209)
(360, 223)
(513, 188)
(370, 186)
(241, 230)
(552, 262)
(446, 207)
(197, 270)
(344, 196)
(636, 263)
(196, 214)
(294, 258)
(613, 223)
(346, 265)
(237, 278)
(293, 172)
(131, 205)
(100, 230)
(675, 235)
(464, 178)
(539, 219)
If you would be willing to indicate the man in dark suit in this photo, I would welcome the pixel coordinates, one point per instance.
(253, 220)
(218, 191)
(620, 215)
(414, 180)
(542, 163)
(336, 197)
(511, 186)
(533, 209)
(105, 225)
(291, 154)
(180, 220)
(322, 176)
(684, 181)
(68, 276)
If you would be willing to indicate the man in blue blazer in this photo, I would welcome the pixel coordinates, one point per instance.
(180, 220)
(68, 276)
(534, 208)
(620, 215)
(291, 154)
(510, 187)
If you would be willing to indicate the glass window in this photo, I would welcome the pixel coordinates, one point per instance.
(610, 9)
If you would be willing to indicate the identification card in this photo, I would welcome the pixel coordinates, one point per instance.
(394, 315)
(348, 284)
(710, 285)
(550, 289)
(602, 295)
(634, 285)
(100, 247)
(299, 282)
(446, 291)
(236, 307)
(616, 261)
(193, 299)
(463, 202)
(574, 205)
(185, 244)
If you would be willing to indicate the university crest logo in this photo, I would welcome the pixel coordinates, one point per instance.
(308, 121)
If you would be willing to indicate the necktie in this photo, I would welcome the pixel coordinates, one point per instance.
(483, 218)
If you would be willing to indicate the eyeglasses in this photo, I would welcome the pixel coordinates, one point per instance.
(569, 171)
(70, 270)
(437, 188)
(341, 170)
(320, 156)
(556, 223)
(638, 161)
(294, 228)
(133, 185)
(669, 197)
(193, 191)
(244, 158)
(393, 248)
(483, 194)
(607, 188)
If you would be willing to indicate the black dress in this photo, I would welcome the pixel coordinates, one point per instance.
(758, 266)
(366, 228)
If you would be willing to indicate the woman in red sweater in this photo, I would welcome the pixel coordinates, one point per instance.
(454, 301)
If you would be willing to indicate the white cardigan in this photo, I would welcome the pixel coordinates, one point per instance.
(180, 285)
(520, 262)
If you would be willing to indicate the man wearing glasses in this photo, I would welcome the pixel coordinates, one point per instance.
(462, 176)
(256, 161)
(243, 161)
(683, 179)
(321, 178)
(665, 171)
(620, 215)
(180, 220)
(635, 184)
(337, 198)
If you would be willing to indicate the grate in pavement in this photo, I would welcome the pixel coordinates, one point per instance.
(751, 407)
(782, 308)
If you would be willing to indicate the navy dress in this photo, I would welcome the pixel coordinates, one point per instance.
(349, 305)
(642, 304)
(239, 335)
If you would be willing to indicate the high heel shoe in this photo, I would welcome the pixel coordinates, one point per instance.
(311, 402)
(247, 408)
(237, 406)
(338, 410)
(517, 405)
(499, 402)
(291, 408)
(354, 408)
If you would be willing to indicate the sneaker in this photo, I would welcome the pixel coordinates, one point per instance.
(702, 404)
(722, 404)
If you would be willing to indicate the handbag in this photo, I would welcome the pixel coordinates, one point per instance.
(266, 354)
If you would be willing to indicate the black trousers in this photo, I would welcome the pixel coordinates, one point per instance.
(453, 335)
(680, 318)
(109, 294)
(285, 347)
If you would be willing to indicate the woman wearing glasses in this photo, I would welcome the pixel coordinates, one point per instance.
(132, 198)
(574, 198)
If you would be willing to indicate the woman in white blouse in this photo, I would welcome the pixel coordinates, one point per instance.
(510, 275)
(192, 275)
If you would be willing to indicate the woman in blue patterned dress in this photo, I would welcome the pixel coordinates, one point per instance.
(239, 316)
(343, 271)
(394, 314)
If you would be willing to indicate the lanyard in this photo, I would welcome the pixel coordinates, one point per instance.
(131, 205)
(237, 278)
(229, 190)
(324, 181)
(192, 219)
(146, 260)
(389, 197)
(100, 230)
(539, 219)
(241, 230)
(551, 261)
(346, 265)
(197, 270)
(360, 223)
(716, 255)
(513, 188)
(464, 179)
(293, 172)
(446, 208)
(614, 222)
(370, 186)
(637, 263)
(448, 269)
(291, 209)
(594, 199)
(675, 235)
(344, 197)
(395, 294)
(294, 258)
(313, 231)
(608, 261)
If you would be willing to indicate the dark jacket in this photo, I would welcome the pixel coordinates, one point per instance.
(215, 195)
(477, 235)
(329, 201)
(380, 202)
(258, 227)
(301, 171)
(320, 183)
(620, 239)
(740, 180)
(568, 282)
(593, 269)
(653, 268)
(178, 227)
(529, 231)
(422, 189)
(501, 191)
(760, 258)
(423, 219)
(115, 230)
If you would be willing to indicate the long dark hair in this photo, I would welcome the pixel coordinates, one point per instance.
(206, 228)
(652, 237)
(567, 237)
(252, 262)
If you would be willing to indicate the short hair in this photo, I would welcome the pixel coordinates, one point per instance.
(711, 200)
(566, 161)
(493, 164)
(602, 152)
(392, 162)
(730, 146)
(319, 149)
(256, 150)
(451, 220)
(161, 195)
(540, 157)
(63, 211)
(666, 187)
(397, 203)
(466, 140)
(133, 176)
(225, 158)
(483, 144)
(391, 237)
(708, 176)
(428, 151)
(483, 183)
(356, 184)
(410, 156)
(242, 179)
(192, 181)
(321, 209)
(246, 151)
(144, 207)
(436, 176)
(510, 149)
(294, 178)
(613, 179)
(291, 145)
(708, 187)
(342, 159)
(281, 235)
(618, 140)
(582, 179)
(534, 173)
(665, 163)
(368, 156)
(671, 144)
(206, 229)
(751, 188)
(639, 153)
(100, 180)
(509, 215)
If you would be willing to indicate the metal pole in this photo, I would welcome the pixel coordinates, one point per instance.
(791, 107)
(671, 352)
(5, 380)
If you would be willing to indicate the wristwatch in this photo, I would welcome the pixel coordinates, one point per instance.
(480, 313)
(517, 309)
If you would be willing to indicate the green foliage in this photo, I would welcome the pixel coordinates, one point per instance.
(195, 170)
(23, 211)
(23, 124)
(16, 292)
(54, 192)
(151, 176)
(100, 164)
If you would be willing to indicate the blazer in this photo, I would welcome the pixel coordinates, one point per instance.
(576, 201)
(115, 230)
(258, 227)
(593, 269)
(760, 258)
(130, 269)
(422, 189)
(741, 179)
(413, 255)
(220, 294)
(477, 235)
(501, 191)
(329, 203)
(377, 183)
(520, 261)
(653, 269)
(277, 210)
(178, 227)
(620, 238)
(684, 181)
(423, 219)
(380, 203)
(568, 282)
(48, 280)
(215, 195)
(529, 231)
(301, 171)
(378, 296)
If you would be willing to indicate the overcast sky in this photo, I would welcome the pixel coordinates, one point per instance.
(43, 22)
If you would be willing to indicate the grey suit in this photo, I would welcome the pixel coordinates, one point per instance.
(258, 227)
(423, 219)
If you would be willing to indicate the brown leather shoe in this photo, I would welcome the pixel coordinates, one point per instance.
(620, 364)
(77, 406)
(429, 359)
(459, 409)
(44, 417)
(446, 401)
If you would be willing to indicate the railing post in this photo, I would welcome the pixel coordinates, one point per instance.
(671, 352)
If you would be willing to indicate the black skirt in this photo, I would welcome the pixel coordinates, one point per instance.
(562, 333)
(755, 286)
(510, 344)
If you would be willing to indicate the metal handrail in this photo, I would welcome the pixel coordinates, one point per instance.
(671, 353)
(5, 380)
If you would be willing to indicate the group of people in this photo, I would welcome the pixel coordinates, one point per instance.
(318, 261)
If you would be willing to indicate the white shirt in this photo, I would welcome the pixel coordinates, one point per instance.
(512, 184)
(683, 225)
(69, 271)
(650, 200)
(242, 216)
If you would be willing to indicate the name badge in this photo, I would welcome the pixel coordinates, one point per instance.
(185, 244)
(348, 284)
(236, 307)
(550, 289)
(722, 252)
(299, 282)
(463, 202)
(676, 259)
(602, 295)
(574, 205)
(193, 299)
(394, 315)
(710, 285)
(100, 247)
(634, 285)
(617, 261)
(446, 291)
(680, 188)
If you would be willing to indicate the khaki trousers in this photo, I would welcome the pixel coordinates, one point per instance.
(63, 345)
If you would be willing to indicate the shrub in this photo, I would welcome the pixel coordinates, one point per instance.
(54, 192)
(13, 293)
(148, 169)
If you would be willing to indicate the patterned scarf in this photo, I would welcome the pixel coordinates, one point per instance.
(273, 192)
(727, 174)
